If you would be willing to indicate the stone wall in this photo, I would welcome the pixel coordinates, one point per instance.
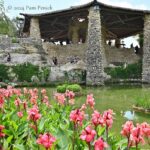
(121, 55)
(113, 55)
(64, 53)
(21, 51)
(38, 52)
(146, 50)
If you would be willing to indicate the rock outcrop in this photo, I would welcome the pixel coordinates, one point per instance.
(21, 50)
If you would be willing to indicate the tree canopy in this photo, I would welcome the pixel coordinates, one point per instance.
(6, 25)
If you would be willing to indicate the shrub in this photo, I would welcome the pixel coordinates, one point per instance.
(74, 88)
(64, 87)
(132, 71)
(3, 72)
(61, 88)
(26, 71)
(44, 73)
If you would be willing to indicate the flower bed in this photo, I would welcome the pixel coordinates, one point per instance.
(29, 120)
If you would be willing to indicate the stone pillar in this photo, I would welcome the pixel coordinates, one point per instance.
(146, 50)
(103, 36)
(117, 43)
(35, 28)
(95, 54)
(75, 35)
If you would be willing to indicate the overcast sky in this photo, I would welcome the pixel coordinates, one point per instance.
(14, 7)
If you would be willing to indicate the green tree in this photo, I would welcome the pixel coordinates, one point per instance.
(1, 6)
(6, 25)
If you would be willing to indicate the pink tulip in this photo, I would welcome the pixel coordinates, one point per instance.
(145, 129)
(46, 140)
(60, 98)
(90, 101)
(1, 101)
(33, 99)
(77, 116)
(137, 135)
(108, 118)
(100, 144)
(17, 92)
(20, 114)
(1, 131)
(88, 134)
(97, 119)
(17, 102)
(24, 105)
(9, 87)
(35, 91)
(25, 91)
(43, 91)
(45, 99)
(127, 129)
(33, 114)
(69, 94)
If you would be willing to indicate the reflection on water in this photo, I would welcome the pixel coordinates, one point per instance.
(130, 115)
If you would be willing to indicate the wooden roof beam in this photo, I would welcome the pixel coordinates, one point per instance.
(125, 20)
(121, 20)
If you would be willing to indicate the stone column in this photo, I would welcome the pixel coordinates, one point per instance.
(103, 36)
(75, 35)
(117, 43)
(146, 50)
(35, 28)
(95, 54)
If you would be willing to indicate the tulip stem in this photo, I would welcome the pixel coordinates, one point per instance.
(128, 146)
(148, 141)
(74, 134)
(107, 133)
(89, 145)
(1, 144)
(1, 147)
(136, 146)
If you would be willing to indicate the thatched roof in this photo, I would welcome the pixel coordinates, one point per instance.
(120, 22)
